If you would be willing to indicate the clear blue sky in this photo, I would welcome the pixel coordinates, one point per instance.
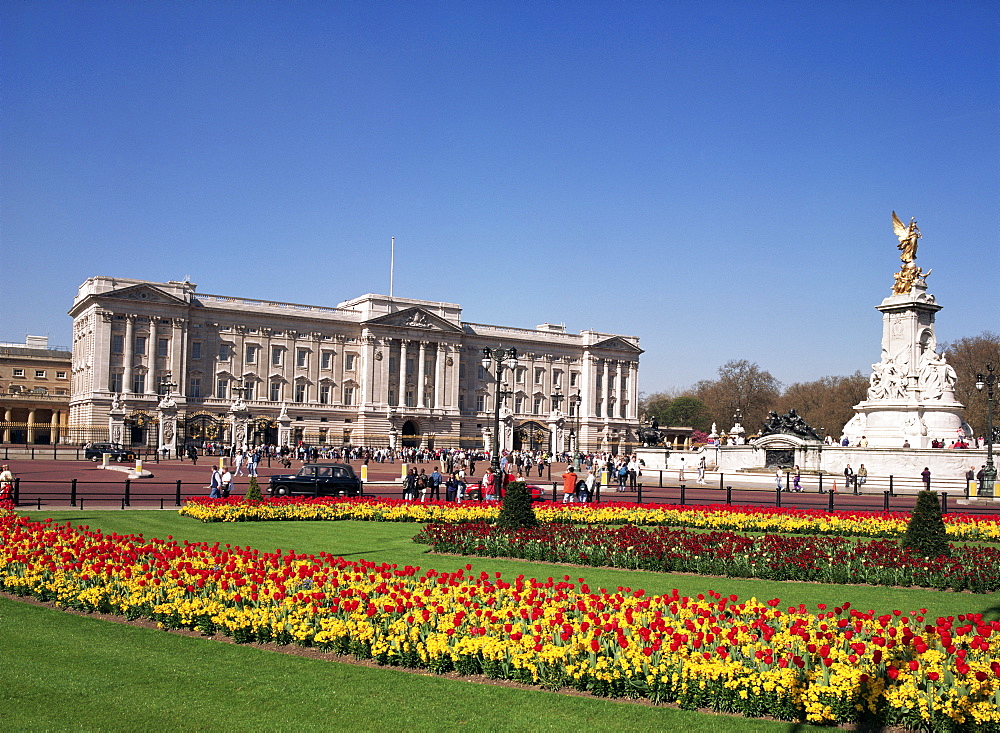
(714, 177)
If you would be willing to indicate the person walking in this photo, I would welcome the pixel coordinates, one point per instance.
(702, 466)
(215, 484)
(925, 476)
(6, 484)
(569, 485)
(862, 475)
(777, 478)
(797, 480)
(848, 476)
(227, 482)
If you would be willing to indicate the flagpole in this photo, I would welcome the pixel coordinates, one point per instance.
(392, 264)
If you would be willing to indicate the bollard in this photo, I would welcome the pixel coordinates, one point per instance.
(177, 497)
(638, 499)
(967, 488)
(81, 505)
(683, 492)
(127, 500)
(821, 482)
(17, 491)
(885, 501)
(856, 483)
(729, 495)
(829, 502)
(661, 478)
(944, 502)
(720, 481)
(890, 488)
(39, 499)
(777, 497)
(72, 492)
(161, 502)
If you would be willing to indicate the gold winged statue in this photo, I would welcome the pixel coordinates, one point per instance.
(908, 236)
(909, 273)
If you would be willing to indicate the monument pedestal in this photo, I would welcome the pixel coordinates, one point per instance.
(911, 393)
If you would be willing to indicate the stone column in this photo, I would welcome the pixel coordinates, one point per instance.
(239, 417)
(116, 421)
(54, 428)
(168, 426)
(284, 427)
(633, 385)
(31, 425)
(438, 376)
(421, 377)
(152, 348)
(8, 415)
(129, 353)
(607, 389)
(401, 390)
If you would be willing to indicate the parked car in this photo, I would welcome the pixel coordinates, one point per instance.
(472, 493)
(317, 479)
(95, 452)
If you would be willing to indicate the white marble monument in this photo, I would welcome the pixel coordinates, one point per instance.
(911, 394)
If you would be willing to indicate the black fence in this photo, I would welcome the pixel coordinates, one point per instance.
(146, 493)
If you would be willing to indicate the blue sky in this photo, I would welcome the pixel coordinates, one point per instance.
(714, 177)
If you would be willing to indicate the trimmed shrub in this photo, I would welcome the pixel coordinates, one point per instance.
(253, 490)
(925, 534)
(517, 512)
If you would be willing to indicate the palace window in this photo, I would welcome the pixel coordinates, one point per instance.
(276, 352)
(324, 394)
(538, 406)
(300, 392)
(60, 375)
(140, 345)
(348, 395)
(222, 389)
(250, 389)
(349, 362)
(117, 343)
(39, 374)
(275, 392)
(300, 357)
(480, 403)
(18, 372)
(539, 375)
(138, 382)
(573, 378)
(410, 399)
(409, 365)
(196, 349)
(162, 346)
(251, 354)
(518, 405)
(194, 386)
(326, 359)
(115, 384)
(224, 352)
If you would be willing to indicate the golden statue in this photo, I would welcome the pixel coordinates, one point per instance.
(909, 273)
(908, 236)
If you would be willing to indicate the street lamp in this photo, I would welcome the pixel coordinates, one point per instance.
(166, 386)
(990, 471)
(557, 398)
(575, 401)
(502, 358)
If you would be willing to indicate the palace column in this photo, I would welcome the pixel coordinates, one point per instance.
(31, 425)
(401, 390)
(421, 377)
(605, 380)
(54, 428)
(8, 415)
(129, 347)
(438, 376)
(152, 349)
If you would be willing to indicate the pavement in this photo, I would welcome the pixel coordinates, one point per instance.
(65, 484)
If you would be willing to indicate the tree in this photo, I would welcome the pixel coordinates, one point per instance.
(926, 534)
(826, 403)
(969, 357)
(253, 490)
(742, 386)
(687, 411)
(655, 405)
(516, 511)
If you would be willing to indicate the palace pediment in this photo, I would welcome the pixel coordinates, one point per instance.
(143, 294)
(415, 318)
(617, 344)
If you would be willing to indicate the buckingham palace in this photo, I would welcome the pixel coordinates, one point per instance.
(160, 365)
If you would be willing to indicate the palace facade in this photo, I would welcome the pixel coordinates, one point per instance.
(372, 371)
(34, 392)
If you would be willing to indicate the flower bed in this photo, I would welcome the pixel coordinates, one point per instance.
(750, 657)
(770, 557)
(716, 516)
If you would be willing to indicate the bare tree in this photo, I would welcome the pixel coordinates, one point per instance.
(744, 387)
(969, 357)
(826, 403)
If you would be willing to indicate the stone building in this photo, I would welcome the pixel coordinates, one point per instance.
(373, 370)
(34, 392)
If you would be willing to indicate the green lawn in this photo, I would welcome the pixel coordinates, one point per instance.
(67, 672)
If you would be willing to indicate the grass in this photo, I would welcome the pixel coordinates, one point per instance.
(69, 672)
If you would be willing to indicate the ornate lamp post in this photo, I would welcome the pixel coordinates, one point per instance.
(502, 358)
(557, 397)
(990, 471)
(168, 418)
(575, 401)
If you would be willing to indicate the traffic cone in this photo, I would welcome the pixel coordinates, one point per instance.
(835, 486)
